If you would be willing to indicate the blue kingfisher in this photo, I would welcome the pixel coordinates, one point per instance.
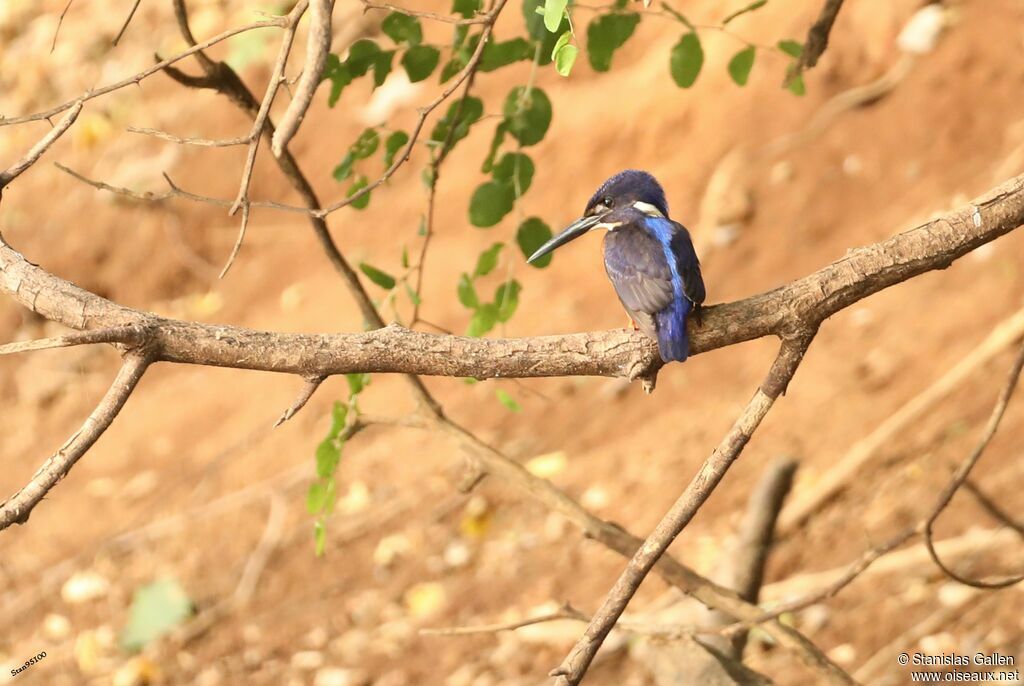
(648, 257)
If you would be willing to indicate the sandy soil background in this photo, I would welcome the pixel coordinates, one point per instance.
(405, 549)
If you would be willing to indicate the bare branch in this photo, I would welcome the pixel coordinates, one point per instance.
(205, 142)
(17, 508)
(127, 21)
(318, 45)
(37, 150)
(308, 389)
(238, 241)
(575, 665)
(567, 611)
(259, 557)
(433, 16)
(817, 38)
(159, 66)
(965, 470)
(60, 22)
(117, 334)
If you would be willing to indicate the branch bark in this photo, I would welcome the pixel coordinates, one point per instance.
(575, 665)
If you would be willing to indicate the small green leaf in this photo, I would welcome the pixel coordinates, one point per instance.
(506, 297)
(328, 455)
(414, 297)
(453, 66)
(795, 85)
(686, 60)
(467, 8)
(366, 144)
(484, 319)
(420, 61)
(469, 381)
(487, 261)
(356, 383)
(741, 64)
(467, 293)
(405, 257)
(359, 184)
(320, 537)
(553, 11)
(471, 111)
(339, 413)
(339, 74)
(562, 41)
(490, 202)
(392, 145)
(749, 8)
(156, 609)
(515, 169)
(497, 55)
(791, 47)
(528, 114)
(499, 136)
(382, 279)
(344, 168)
(606, 34)
(316, 497)
(362, 56)
(565, 57)
(532, 234)
(402, 28)
(507, 400)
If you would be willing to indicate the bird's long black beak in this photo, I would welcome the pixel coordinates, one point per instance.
(571, 232)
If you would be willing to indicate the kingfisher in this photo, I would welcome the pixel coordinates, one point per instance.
(649, 258)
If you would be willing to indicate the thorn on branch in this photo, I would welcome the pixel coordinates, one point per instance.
(308, 389)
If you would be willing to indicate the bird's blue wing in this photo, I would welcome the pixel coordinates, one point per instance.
(687, 264)
(637, 267)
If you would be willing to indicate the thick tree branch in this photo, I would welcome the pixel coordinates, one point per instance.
(791, 353)
(17, 508)
(780, 312)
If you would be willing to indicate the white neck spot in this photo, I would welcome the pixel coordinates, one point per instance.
(648, 209)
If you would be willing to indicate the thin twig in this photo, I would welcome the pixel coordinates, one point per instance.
(318, 45)
(127, 21)
(159, 66)
(433, 16)
(574, 666)
(37, 150)
(204, 142)
(259, 557)
(17, 508)
(115, 334)
(964, 471)
(817, 38)
(308, 389)
(238, 241)
(60, 22)
(567, 611)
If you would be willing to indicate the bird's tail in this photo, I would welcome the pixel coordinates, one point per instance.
(673, 341)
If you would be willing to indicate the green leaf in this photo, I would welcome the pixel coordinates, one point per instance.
(344, 168)
(506, 297)
(467, 8)
(515, 169)
(338, 415)
(740, 65)
(532, 234)
(497, 55)
(499, 136)
(490, 202)
(414, 297)
(366, 144)
(471, 111)
(565, 57)
(791, 47)
(320, 537)
(392, 145)
(528, 114)
(405, 257)
(740, 12)
(358, 184)
(402, 28)
(316, 497)
(795, 85)
(606, 34)
(467, 293)
(356, 383)
(339, 74)
(453, 66)
(553, 11)
(328, 455)
(156, 609)
(487, 261)
(362, 56)
(484, 319)
(507, 400)
(382, 279)
(420, 61)
(686, 60)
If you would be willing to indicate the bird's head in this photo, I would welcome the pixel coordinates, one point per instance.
(628, 192)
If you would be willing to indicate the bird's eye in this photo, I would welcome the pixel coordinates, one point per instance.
(607, 201)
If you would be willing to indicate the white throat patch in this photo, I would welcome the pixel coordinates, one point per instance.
(648, 209)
